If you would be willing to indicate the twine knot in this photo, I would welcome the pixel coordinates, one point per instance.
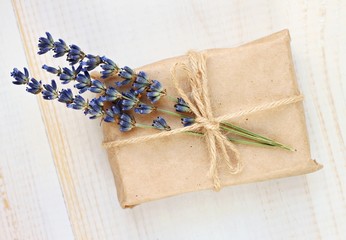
(208, 124)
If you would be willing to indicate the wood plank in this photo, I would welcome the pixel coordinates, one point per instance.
(135, 33)
(31, 201)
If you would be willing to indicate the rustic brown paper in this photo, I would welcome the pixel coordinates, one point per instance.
(259, 72)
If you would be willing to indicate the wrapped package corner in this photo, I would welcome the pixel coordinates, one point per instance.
(257, 72)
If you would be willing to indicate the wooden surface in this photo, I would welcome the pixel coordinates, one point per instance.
(55, 181)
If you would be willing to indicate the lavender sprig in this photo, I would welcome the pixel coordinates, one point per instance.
(95, 108)
(122, 104)
(60, 48)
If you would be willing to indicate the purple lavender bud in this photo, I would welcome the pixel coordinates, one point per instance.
(141, 83)
(129, 100)
(52, 70)
(95, 108)
(75, 55)
(182, 106)
(144, 109)
(45, 44)
(112, 94)
(109, 67)
(84, 82)
(34, 86)
(69, 75)
(60, 48)
(97, 87)
(187, 121)
(50, 92)
(113, 113)
(161, 124)
(92, 62)
(126, 122)
(155, 91)
(20, 77)
(66, 96)
(79, 103)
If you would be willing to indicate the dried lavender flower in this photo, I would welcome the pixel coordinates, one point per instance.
(109, 67)
(75, 54)
(155, 91)
(187, 121)
(69, 75)
(182, 106)
(60, 48)
(130, 99)
(95, 108)
(126, 73)
(97, 87)
(113, 113)
(53, 70)
(34, 86)
(66, 96)
(112, 94)
(50, 92)
(20, 77)
(121, 101)
(79, 103)
(92, 62)
(141, 82)
(84, 82)
(161, 124)
(144, 108)
(126, 122)
(45, 44)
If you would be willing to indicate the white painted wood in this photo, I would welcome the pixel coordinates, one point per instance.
(31, 201)
(139, 32)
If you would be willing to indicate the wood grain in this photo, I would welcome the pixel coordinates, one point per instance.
(31, 200)
(139, 32)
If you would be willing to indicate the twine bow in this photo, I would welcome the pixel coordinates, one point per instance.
(218, 145)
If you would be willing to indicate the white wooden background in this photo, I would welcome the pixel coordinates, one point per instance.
(55, 181)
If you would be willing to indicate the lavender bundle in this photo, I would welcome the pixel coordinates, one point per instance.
(125, 98)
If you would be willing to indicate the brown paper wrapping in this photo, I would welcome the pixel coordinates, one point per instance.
(259, 72)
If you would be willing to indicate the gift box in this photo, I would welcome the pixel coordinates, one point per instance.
(241, 78)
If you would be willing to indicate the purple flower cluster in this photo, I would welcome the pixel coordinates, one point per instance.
(124, 97)
(135, 93)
